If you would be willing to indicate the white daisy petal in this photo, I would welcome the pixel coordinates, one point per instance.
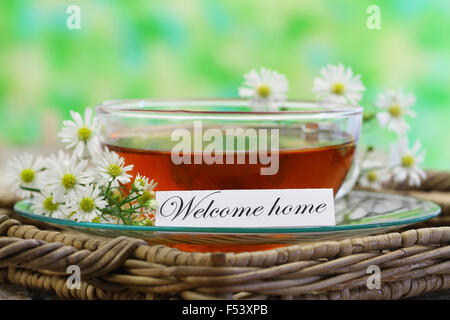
(86, 204)
(404, 162)
(338, 85)
(374, 178)
(383, 119)
(87, 116)
(80, 134)
(24, 171)
(111, 168)
(395, 106)
(44, 204)
(65, 176)
(266, 89)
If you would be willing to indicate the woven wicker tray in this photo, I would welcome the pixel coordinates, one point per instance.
(412, 262)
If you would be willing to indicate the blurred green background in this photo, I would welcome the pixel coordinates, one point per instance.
(201, 48)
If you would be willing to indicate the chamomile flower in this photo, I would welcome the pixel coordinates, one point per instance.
(86, 204)
(24, 171)
(65, 176)
(141, 183)
(395, 105)
(338, 85)
(373, 178)
(80, 134)
(112, 169)
(404, 162)
(44, 204)
(266, 89)
(145, 192)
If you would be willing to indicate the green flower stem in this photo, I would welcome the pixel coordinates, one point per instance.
(106, 194)
(116, 208)
(104, 217)
(128, 200)
(114, 212)
(30, 189)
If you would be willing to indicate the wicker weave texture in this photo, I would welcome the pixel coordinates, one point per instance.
(411, 263)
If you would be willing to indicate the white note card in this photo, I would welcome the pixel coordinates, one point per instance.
(246, 208)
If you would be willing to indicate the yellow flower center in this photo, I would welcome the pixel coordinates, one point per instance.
(338, 88)
(395, 111)
(49, 205)
(114, 170)
(27, 175)
(372, 176)
(407, 161)
(87, 204)
(96, 219)
(84, 133)
(264, 90)
(68, 181)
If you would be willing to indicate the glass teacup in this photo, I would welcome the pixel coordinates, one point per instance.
(225, 144)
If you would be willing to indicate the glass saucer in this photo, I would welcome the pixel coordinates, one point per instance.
(360, 213)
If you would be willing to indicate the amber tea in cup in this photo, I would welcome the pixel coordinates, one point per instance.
(313, 146)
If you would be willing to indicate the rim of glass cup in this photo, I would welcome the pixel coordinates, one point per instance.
(158, 108)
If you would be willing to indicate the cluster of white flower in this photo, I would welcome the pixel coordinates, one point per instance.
(403, 166)
(338, 85)
(87, 185)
